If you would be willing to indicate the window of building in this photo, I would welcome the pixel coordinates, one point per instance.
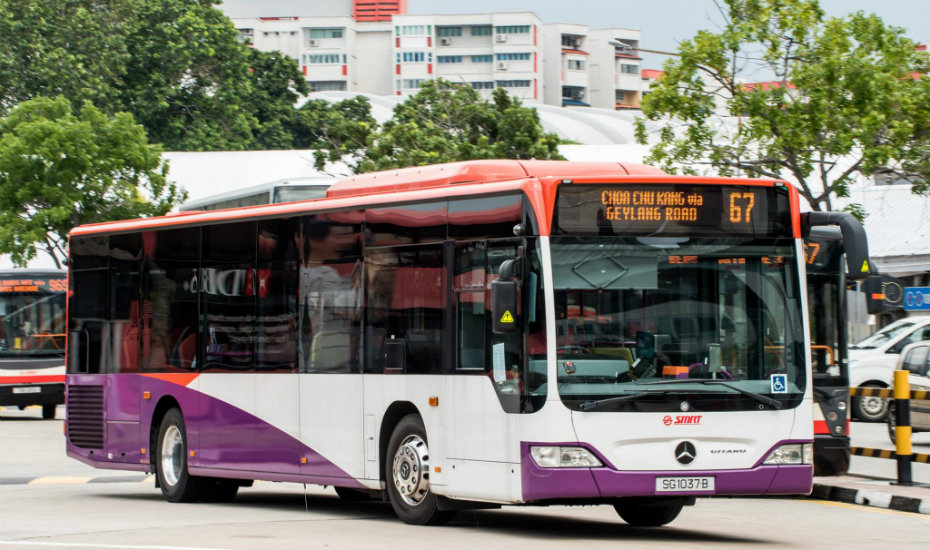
(483, 85)
(512, 29)
(449, 59)
(413, 57)
(619, 96)
(409, 83)
(513, 57)
(481, 30)
(323, 59)
(449, 31)
(482, 58)
(626, 68)
(246, 35)
(575, 65)
(326, 32)
(413, 30)
(327, 86)
(570, 41)
(513, 83)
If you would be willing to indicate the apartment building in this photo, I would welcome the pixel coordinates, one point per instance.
(485, 51)
(375, 47)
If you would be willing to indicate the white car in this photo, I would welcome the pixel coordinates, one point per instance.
(872, 361)
(915, 358)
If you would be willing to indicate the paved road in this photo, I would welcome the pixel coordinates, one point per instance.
(68, 513)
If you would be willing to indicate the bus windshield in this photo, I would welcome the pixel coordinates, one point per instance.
(634, 311)
(32, 324)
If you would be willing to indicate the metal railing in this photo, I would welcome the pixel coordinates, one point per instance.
(902, 395)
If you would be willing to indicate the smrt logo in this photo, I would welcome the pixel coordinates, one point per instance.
(682, 419)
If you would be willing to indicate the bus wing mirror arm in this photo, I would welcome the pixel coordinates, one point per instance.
(855, 243)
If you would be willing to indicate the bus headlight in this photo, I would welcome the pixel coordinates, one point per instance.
(792, 453)
(564, 457)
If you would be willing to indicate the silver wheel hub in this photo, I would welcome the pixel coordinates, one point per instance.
(172, 454)
(410, 471)
(873, 405)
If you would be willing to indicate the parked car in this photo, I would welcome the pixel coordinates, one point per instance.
(915, 359)
(872, 361)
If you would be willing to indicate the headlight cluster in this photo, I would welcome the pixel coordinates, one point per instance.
(792, 453)
(564, 457)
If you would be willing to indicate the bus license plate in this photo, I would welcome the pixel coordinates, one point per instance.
(28, 389)
(678, 484)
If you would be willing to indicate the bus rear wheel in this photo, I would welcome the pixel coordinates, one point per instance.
(177, 485)
(645, 514)
(407, 475)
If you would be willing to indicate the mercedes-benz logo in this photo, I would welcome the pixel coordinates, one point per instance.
(685, 452)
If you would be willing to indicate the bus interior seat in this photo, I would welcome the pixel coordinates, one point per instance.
(330, 350)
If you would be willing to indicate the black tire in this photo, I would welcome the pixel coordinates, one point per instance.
(638, 515)
(406, 470)
(870, 409)
(890, 420)
(177, 485)
(48, 411)
(352, 495)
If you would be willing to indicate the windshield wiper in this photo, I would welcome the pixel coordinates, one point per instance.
(591, 405)
(774, 403)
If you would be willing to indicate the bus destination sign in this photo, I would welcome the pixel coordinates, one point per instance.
(672, 210)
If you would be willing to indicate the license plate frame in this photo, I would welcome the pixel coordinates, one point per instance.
(685, 484)
(27, 389)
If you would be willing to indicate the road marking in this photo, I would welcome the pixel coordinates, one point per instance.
(864, 508)
(88, 545)
(53, 480)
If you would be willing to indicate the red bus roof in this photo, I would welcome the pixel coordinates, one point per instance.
(537, 178)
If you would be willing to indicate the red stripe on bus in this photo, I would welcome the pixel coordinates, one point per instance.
(179, 378)
(38, 379)
(820, 427)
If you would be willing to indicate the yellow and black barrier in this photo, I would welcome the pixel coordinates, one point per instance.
(886, 392)
(902, 395)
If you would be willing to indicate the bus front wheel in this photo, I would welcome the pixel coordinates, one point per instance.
(407, 475)
(643, 514)
(177, 485)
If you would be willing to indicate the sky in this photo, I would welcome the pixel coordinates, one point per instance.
(665, 23)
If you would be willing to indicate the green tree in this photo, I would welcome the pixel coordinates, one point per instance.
(846, 100)
(187, 80)
(75, 48)
(61, 167)
(276, 84)
(445, 122)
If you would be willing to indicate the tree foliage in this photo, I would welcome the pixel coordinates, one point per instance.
(444, 122)
(176, 65)
(846, 99)
(61, 167)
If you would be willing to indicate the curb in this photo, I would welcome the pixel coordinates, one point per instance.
(877, 499)
(72, 480)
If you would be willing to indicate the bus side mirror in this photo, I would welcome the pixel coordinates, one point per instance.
(504, 300)
(855, 243)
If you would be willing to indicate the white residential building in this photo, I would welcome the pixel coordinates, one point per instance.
(558, 64)
(486, 51)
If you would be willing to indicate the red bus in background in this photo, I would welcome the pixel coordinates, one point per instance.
(32, 338)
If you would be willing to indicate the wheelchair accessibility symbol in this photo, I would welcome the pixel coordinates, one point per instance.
(779, 383)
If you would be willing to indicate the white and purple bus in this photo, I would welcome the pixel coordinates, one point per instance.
(469, 335)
